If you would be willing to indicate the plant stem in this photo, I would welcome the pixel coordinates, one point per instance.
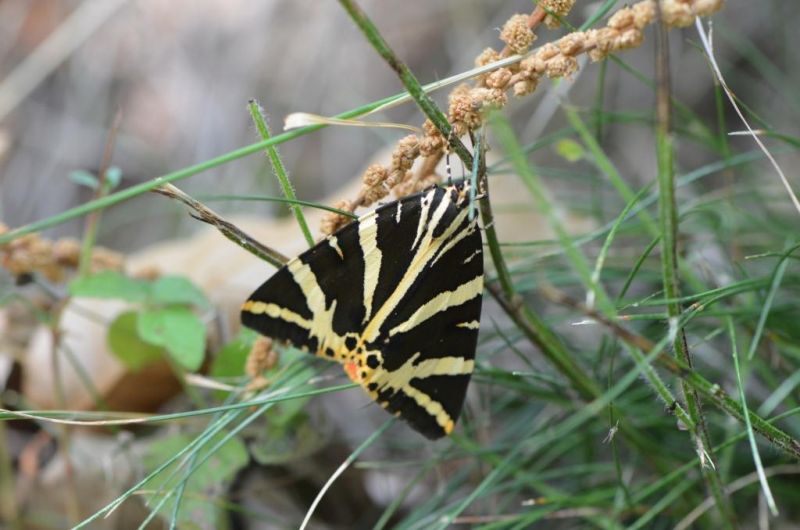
(410, 82)
(668, 217)
(711, 391)
(103, 187)
(150, 185)
(529, 322)
(257, 114)
(534, 327)
(228, 229)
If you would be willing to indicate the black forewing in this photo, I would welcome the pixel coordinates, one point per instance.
(440, 335)
(341, 278)
(281, 290)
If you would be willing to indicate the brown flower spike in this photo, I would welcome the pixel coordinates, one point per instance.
(467, 103)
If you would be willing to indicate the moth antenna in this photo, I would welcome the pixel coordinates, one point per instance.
(447, 158)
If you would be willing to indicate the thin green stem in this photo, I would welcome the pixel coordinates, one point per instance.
(103, 188)
(750, 437)
(532, 326)
(350, 459)
(606, 166)
(668, 218)
(711, 391)
(181, 174)
(226, 228)
(410, 82)
(257, 113)
(283, 200)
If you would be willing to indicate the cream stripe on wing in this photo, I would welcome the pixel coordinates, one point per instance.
(304, 277)
(399, 380)
(454, 241)
(432, 407)
(321, 326)
(401, 377)
(423, 214)
(426, 251)
(453, 226)
(368, 239)
(441, 302)
(275, 311)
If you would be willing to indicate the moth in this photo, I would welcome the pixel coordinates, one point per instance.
(395, 297)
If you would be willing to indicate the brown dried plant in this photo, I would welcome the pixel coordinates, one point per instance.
(468, 103)
(54, 260)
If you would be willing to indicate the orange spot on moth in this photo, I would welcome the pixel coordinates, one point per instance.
(352, 371)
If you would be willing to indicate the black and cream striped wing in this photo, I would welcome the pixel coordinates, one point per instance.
(396, 298)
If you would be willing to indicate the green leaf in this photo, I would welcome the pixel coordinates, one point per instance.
(83, 178)
(128, 346)
(197, 508)
(110, 284)
(177, 290)
(178, 330)
(113, 177)
(230, 360)
(570, 150)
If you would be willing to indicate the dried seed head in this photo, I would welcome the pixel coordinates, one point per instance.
(431, 145)
(600, 42)
(631, 38)
(643, 14)
(572, 44)
(405, 153)
(498, 79)
(464, 111)
(67, 252)
(559, 7)
(487, 56)
(544, 54)
(333, 221)
(52, 272)
(392, 180)
(525, 86)
(373, 195)
(516, 34)
(148, 272)
(556, 7)
(484, 98)
(561, 66)
(375, 175)
(703, 8)
(622, 19)
(677, 13)
(412, 183)
(460, 90)
(433, 141)
(257, 383)
(431, 132)
(31, 254)
(104, 260)
(261, 357)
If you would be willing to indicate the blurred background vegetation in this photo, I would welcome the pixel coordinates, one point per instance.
(177, 76)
